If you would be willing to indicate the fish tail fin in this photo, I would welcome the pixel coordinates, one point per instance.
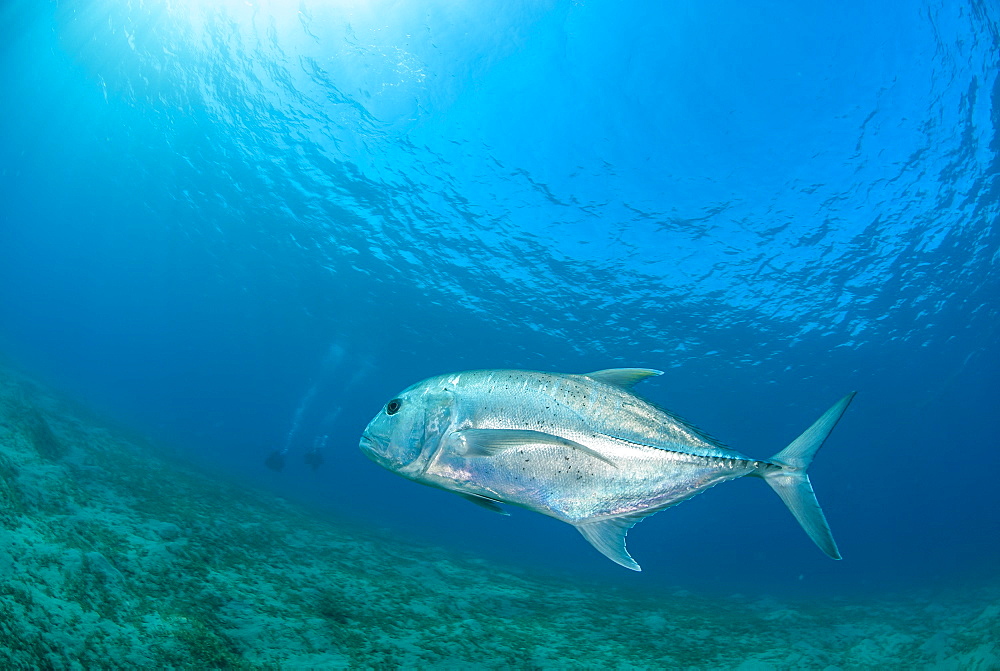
(786, 473)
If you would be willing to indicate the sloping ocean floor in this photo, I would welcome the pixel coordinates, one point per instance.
(114, 557)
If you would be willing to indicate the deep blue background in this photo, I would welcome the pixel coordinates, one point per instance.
(217, 216)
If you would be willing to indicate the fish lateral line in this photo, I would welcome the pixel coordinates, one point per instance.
(756, 463)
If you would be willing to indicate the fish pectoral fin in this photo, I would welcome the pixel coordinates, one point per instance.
(623, 377)
(483, 502)
(489, 442)
(608, 536)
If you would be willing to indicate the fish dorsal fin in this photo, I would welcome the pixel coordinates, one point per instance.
(490, 442)
(608, 536)
(623, 377)
(483, 502)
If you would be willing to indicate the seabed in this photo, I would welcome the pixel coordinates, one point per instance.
(112, 555)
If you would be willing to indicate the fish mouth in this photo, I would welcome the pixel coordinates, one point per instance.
(374, 450)
(368, 445)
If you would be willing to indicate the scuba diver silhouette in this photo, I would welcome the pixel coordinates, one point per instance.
(314, 457)
(275, 461)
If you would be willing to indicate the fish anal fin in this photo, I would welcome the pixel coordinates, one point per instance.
(608, 536)
(483, 502)
(623, 377)
(490, 442)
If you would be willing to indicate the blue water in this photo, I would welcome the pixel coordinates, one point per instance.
(240, 226)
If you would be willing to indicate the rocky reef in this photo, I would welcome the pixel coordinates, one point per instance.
(114, 556)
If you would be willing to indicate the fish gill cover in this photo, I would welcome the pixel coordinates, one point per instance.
(239, 228)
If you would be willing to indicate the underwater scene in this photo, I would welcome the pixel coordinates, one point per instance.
(362, 334)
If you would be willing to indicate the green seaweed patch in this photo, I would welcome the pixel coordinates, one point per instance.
(11, 500)
(21, 412)
(185, 638)
(44, 439)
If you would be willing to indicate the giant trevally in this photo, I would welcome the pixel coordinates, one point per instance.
(583, 449)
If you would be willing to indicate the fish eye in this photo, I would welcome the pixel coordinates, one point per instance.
(393, 406)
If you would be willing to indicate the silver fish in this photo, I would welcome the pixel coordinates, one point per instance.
(583, 449)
